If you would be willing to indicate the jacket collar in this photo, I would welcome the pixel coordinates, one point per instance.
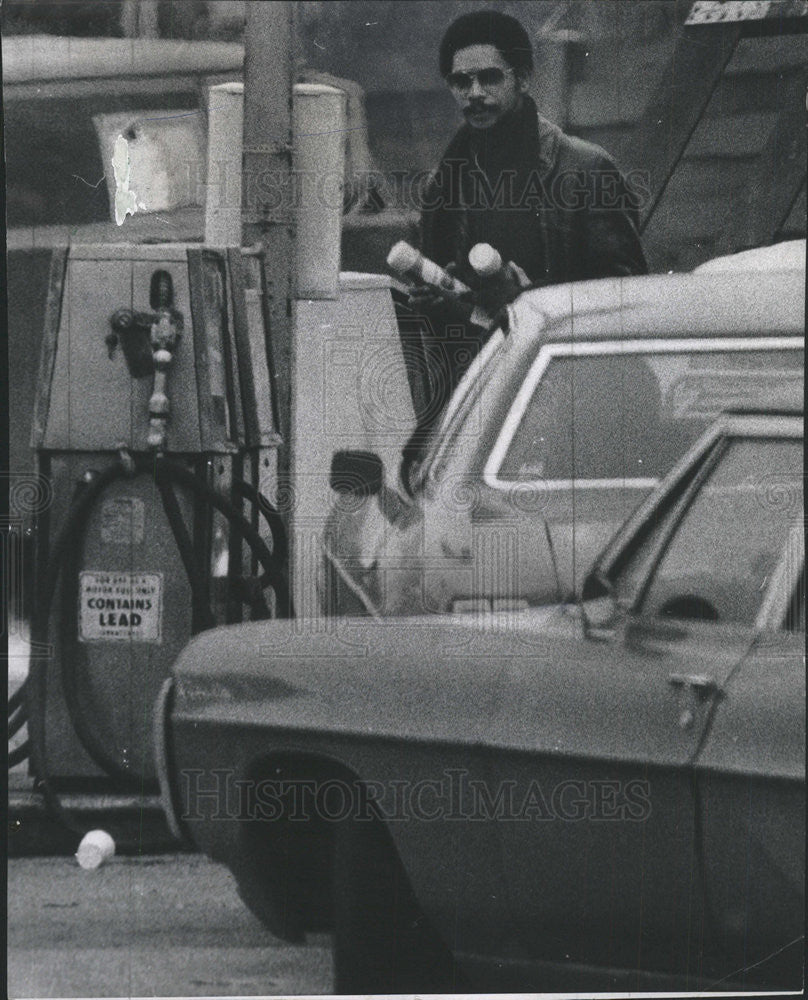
(549, 137)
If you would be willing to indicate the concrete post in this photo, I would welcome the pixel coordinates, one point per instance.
(223, 187)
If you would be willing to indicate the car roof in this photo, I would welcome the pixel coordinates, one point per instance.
(785, 256)
(724, 303)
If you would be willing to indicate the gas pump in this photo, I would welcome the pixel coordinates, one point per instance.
(158, 425)
(146, 426)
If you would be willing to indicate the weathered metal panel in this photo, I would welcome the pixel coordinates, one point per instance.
(53, 312)
(94, 403)
(90, 401)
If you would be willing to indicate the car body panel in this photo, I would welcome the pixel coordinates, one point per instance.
(785, 256)
(387, 682)
(751, 775)
(601, 907)
(365, 699)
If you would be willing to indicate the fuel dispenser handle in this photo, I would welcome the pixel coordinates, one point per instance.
(131, 330)
(149, 341)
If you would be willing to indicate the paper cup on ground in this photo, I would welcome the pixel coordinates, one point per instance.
(95, 848)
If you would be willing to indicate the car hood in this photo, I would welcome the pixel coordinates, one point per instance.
(436, 677)
(459, 679)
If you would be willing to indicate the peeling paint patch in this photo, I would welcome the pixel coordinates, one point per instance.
(125, 200)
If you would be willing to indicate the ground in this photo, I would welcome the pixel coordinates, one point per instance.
(150, 926)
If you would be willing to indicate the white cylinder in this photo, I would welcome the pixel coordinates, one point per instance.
(223, 184)
(95, 848)
(319, 165)
(485, 260)
(410, 262)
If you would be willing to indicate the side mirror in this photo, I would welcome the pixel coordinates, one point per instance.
(357, 473)
(598, 605)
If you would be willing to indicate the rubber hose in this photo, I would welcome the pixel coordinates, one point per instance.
(164, 472)
(19, 754)
(36, 686)
(280, 548)
(18, 698)
(275, 577)
(201, 608)
(17, 721)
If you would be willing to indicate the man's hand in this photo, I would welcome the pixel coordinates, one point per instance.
(428, 297)
(503, 290)
(519, 276)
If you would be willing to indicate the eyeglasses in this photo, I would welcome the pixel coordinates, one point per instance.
(488, 78)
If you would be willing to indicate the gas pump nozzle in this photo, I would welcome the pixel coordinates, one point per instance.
(412, 264)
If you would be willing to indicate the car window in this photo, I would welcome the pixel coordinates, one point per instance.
(633, 565)
(621, 416)
(730, 539)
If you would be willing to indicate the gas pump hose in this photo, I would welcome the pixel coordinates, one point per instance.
(27, 704)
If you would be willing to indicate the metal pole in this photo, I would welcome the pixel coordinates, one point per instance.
(268, 216)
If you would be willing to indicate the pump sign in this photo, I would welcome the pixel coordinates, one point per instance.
(122, 607)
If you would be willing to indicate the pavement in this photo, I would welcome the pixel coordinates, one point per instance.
(168, 926)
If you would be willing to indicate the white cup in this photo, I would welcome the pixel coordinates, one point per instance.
(95, 848)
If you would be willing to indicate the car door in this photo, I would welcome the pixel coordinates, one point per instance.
(751, 798)
(595, 741)
(751, 816)
(692, 576)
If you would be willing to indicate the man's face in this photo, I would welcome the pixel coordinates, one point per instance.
(485, 87)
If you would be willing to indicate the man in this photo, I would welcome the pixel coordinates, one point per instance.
(555, 206)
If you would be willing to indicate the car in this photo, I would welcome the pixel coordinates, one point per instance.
(563, 423)
(600, 795)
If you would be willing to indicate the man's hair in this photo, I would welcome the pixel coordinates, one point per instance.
(487, 27)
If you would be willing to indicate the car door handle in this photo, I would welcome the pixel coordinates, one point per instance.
(693, 690)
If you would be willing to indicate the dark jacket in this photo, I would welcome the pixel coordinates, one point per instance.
(556, 205)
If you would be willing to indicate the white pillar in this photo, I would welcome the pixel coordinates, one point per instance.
(319, 172)
(223, 184)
